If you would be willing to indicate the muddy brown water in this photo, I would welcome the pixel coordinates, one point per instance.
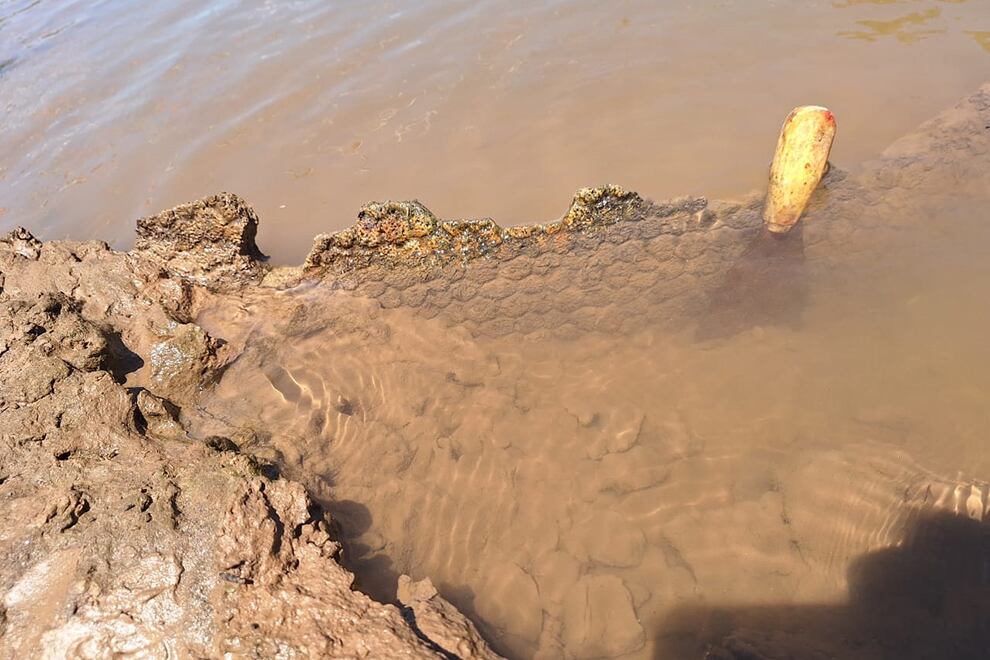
(112, 110)
(582, 466)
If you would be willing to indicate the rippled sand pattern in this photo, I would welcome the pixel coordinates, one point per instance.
(571, 493)
(674, 431)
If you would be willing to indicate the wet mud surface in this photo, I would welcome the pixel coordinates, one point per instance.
(646, 430)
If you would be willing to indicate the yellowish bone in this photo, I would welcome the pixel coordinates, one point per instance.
(798, 165)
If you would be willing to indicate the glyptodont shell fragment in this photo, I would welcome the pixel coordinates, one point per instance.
(798, 165)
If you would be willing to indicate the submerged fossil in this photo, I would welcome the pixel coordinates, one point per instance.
(124, 529)
(404, 233)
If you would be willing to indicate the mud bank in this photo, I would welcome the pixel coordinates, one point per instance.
(122, 534)
(136, 518)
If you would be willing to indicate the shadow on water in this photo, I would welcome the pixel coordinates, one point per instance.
(927, 598)
(374, 571)
(767, 286)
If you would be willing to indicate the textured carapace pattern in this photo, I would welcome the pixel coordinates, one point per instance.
(573, 280)
(585, 273)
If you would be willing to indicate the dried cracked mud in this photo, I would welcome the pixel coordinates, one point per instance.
(197, 448)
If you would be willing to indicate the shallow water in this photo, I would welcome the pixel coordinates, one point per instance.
(113, 109)
(631, 444)
(628, 471)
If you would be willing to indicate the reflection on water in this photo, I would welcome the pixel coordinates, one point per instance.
(114, 109)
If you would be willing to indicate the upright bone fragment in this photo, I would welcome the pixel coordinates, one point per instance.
(798, 165)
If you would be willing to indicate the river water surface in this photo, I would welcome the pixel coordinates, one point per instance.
(113, 109)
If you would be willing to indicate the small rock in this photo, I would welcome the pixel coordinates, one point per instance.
(220, 443)
(159, 416)
(184, 362)
(210, 241)
(441, 622)
(21, 242)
